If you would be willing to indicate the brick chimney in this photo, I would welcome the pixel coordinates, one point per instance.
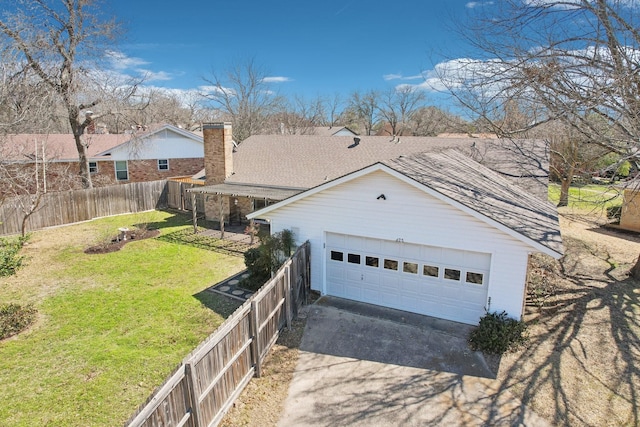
(218, 152)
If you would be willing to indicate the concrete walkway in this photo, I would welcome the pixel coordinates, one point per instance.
(363, 365)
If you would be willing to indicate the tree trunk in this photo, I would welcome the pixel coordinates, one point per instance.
(565, 183)
(635, 270)
(83, 161)
(77, 127)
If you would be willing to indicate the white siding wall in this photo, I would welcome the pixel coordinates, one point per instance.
(162, 145)
(408, 214)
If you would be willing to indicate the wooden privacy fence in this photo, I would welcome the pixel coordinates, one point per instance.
(67, 207)
(208, 381)
(178, 198)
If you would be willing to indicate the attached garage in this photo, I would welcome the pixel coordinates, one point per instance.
(434, 234)
(446, 283)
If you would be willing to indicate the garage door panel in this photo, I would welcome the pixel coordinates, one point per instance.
(354, 275)
(358, 272)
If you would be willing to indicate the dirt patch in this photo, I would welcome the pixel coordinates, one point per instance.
(581, 366)
(262, 401)
(117, 242)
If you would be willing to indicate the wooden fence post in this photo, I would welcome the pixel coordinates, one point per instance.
(255, 344)
(191, 390)
(287, 294)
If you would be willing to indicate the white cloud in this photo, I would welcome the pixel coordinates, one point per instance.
(392, 76)
(150, 76)
(276, 79)
(120, 61)
(215, 90)
(473, 4)
(388, 77)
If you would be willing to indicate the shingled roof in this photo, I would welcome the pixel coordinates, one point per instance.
(62, 146)
(302, 162)
(460, 178)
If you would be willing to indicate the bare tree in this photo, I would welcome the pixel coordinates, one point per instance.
(62, 44)
(432, 121)
(245, 95)
(333, 107)
(364, 107)
(398, 104)
(559, 60)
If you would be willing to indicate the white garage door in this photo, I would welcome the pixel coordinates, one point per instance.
(445, 283)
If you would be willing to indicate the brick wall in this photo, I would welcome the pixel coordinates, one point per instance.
(147, 170)
(218, 164)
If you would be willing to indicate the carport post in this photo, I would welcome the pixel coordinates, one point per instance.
(221, 217)
(194, 209)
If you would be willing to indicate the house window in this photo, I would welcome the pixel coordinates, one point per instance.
(410, 267)
(391, 264)
(474, 278)
(337, 256)
(93, 167)
(122, 172)
(163, 164)
(452, 274)
(372, 261)
(430, 270)
(353, 258)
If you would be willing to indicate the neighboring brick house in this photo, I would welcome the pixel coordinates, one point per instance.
(163, 152)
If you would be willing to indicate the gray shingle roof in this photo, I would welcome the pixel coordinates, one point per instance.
(302, 162)
(460, 178)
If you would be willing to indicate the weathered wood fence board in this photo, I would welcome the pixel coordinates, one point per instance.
(178, 198)
(67, 207)
(210, 379)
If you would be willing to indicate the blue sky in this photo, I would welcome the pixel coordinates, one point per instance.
(310, 48)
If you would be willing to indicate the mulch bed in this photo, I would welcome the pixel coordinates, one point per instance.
(120, 240)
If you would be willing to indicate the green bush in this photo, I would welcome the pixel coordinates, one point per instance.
(10, 260)
(273, 251)
(497, 333)
(15, 318)
(256, 263)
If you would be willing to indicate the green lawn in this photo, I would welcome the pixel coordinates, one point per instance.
(591, 198)
(111, 327)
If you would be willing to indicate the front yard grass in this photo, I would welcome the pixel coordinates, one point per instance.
(111, 327)
(590, 198)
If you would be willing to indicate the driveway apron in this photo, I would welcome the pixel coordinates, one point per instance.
(363, 365)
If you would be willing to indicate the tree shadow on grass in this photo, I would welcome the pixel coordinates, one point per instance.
(220, 304)
(582, 364)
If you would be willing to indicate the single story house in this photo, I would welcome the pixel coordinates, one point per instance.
(441, 227)
(158, 153)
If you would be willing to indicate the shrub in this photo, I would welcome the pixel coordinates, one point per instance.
(497, 333)
(10, 260)
(15, 318)
(256, 263)
(273, 251)
(614, 212)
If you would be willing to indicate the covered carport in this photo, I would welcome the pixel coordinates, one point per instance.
(236, 200)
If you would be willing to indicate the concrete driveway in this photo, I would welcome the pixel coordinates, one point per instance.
(363, 365)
